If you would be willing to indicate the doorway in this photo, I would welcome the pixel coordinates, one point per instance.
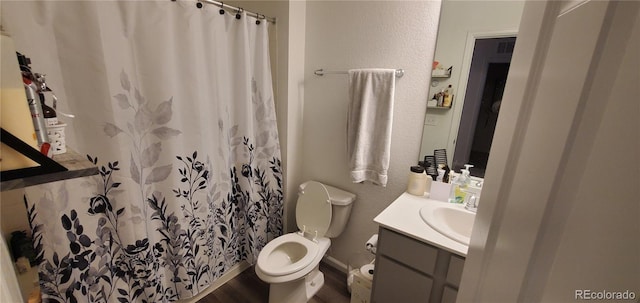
(483, 98)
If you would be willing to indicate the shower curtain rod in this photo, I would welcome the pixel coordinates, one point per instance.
(237, 9)
(322, 72)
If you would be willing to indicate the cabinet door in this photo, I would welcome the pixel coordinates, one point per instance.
(454, 273)
(395, 282)
(449, 295)
(411, 252)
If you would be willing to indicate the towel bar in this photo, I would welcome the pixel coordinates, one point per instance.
(322, 72)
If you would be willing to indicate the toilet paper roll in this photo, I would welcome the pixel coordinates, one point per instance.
(372, 243)
(367, 271)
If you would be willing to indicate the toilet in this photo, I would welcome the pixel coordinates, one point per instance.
(289, 263)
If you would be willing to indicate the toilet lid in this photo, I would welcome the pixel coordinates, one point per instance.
(313, 211)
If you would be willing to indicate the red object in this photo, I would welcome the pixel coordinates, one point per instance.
(46, 150)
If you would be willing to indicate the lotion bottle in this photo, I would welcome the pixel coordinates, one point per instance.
(448, 96)
(417, 181)
(441, 98)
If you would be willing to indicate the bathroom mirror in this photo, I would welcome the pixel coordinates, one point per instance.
(475, 39)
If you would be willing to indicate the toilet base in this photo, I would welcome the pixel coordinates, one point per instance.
(297, 291)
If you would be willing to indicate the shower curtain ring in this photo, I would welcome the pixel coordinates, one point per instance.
(240, 10)
(258, 18)
(199, 4)
(221, 8)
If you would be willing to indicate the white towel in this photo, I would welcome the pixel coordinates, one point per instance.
(369, 122)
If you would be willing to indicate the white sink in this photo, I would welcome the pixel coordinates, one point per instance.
(451, 220)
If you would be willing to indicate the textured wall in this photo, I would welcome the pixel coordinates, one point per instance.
(364, 34)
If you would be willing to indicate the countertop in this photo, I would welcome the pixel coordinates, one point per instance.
(403, 216)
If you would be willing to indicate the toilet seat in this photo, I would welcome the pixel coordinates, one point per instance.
(287, 254)
(294, 252)
(263, 262)
(313, 210)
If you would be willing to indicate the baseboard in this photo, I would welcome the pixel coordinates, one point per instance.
(232, 273)
(333, 262)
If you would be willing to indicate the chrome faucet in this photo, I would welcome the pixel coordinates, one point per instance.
(471, 201)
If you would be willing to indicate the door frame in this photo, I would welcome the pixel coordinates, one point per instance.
(466, 128)
(459, 97)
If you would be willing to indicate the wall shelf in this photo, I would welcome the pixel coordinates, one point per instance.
(446, 74)
(439, 107)
(77, 166)
(65, 166)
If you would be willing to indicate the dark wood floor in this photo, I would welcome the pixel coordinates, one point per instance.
(248, 288)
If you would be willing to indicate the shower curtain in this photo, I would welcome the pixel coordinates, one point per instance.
(174, 104)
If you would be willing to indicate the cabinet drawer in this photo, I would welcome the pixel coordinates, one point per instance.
(394, 282)
(454, 274)
(412, 253)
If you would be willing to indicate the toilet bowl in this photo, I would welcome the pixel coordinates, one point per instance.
(289, 263)
(291, 257)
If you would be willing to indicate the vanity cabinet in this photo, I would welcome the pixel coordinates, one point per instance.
(408, 270)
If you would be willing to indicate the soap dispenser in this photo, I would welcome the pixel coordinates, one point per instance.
(459, 185)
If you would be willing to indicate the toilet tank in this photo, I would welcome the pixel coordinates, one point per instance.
(341, 203)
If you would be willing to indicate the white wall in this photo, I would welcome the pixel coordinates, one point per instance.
(459, 18)
(295, 109)
(360, 34)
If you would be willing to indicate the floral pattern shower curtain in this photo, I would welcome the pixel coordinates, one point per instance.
(174, 105)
